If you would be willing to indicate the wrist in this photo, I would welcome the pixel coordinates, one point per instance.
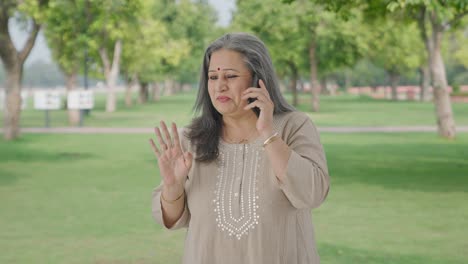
(173, 192)
(267, 133)
(271, 139)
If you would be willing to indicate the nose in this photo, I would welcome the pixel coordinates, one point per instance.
(221, 84)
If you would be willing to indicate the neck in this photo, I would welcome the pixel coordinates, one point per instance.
(240, 127)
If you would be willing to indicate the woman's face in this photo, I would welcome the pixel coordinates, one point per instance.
(228, 77)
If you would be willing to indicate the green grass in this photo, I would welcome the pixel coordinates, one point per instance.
(395, 198)
(343, 110)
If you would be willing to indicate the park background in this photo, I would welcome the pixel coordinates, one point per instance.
(393, 121)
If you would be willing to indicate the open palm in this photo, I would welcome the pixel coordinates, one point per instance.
(174, 164)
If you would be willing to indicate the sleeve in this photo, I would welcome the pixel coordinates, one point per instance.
(307, 182)
(157, 211)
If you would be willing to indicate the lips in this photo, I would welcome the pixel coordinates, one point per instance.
(223, 99)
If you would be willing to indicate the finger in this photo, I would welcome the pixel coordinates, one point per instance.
(260, 104)
(155, 149)
(166, 133)
(176, 137)
(188, 157)
(262, 85)
(258, 95)
(263, 88)
(160, 139)
(254, 104)
(256, 90)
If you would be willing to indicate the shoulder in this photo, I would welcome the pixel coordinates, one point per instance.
(295, 124)
(290, 120)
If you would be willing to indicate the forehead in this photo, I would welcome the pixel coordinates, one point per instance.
(227, 59)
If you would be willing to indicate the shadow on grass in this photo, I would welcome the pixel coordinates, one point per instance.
(19, 151)
(407, 166)
(338, 254)
(7, 177)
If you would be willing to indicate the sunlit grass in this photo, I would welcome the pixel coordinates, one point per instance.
(395, 198)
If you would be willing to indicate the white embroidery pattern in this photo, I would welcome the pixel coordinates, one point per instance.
(226, 198)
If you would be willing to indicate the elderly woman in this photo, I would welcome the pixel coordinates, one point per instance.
(244, 175)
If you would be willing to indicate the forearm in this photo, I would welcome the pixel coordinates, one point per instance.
(278, 153)
(172, 211)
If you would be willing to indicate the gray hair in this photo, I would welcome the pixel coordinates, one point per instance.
(205, 130)
(256, 58)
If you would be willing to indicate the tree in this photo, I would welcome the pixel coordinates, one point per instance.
(303, 35)
(276, 24)
(65, 32)
(395, 47)
(152, 48)
(436, 17)
(13, 59)
(109, 24)
(192, 23)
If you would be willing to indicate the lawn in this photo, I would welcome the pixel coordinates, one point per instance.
(395, 198)
(343, 110)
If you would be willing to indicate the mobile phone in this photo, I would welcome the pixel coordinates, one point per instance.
(255, 80)
(254, 84)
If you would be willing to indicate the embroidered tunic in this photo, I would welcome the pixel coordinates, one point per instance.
(236, 211)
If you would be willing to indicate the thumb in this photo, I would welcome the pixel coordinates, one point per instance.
(188, 157)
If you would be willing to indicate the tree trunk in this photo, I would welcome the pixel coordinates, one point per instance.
(129, 91)
(156, 92)
(144, 93)
(111, 72)
(394, 80)
(128, 95)
(294, 77)
(177, 87)
(347, 82)
(12, 113)
(168, 87)
(424, 82)
(315, 86)
(323, 85)
(443, 105)
(73, 114)
(13, 61)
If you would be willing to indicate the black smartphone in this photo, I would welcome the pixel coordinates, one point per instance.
(254, 84)
(250, 100)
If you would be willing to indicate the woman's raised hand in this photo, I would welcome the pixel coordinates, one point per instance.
(174, 164)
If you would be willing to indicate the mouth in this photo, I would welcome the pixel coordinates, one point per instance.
(223, 99)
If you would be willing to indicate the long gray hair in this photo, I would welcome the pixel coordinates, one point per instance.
(205, 131)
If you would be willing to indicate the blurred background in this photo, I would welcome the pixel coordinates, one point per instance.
(84, 82)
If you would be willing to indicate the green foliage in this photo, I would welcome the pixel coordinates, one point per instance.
(395, 46)
(148, 46)
(288, 29)
(276, 24)
(66, 33)
(192, 23)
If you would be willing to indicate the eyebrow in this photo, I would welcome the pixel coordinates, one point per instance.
(227, 69)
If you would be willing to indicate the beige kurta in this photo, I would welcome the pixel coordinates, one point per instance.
(236, 211)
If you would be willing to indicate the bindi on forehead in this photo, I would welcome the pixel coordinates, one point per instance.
(225, 69)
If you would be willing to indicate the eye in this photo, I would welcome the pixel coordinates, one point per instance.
(231, 76)
(213, 77)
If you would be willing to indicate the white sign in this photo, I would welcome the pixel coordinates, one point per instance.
(83, 99)
(24, 100)
(47, 100)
